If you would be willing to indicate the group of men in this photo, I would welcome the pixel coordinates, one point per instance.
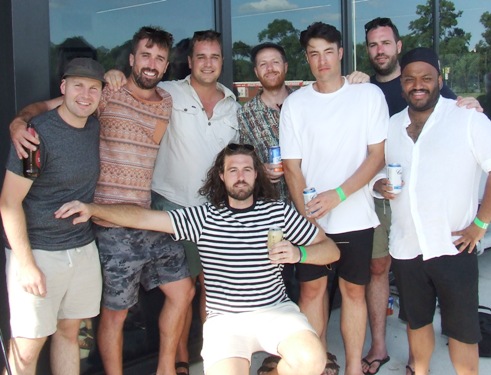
(332, 136)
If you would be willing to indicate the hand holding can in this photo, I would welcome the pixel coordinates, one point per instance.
(394, 174)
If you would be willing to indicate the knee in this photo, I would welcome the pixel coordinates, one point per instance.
(113, 318)
(313, 290)
(180, 292)
(380, 267)
(353, 292)
(307, 359)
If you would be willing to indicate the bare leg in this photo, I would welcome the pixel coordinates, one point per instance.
(377, 295)
(301, 353)
(65, 352)
(24, 355)
(178, 297)
(465, 357)
(202, 297)
(353, 324)
(422, 344)
(110, 340)
(182, 353)
(314, 304)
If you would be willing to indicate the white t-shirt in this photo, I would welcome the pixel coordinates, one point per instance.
(441, 174)
(330, 133)
(191, 142)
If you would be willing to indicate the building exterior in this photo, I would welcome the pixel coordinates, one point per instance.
(38, 36)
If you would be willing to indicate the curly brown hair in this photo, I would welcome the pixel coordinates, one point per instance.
(214, 188)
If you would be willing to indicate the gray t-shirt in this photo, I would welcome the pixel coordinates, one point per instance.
(69, 170)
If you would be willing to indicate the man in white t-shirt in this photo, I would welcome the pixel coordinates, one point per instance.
(332, 138)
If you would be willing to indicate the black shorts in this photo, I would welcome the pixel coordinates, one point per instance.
(454, 280)
(354, 263)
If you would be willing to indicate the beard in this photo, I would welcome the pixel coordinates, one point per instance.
(144, 82)
(387, 70)
(240, 193)
(275, 84)
(422, 106)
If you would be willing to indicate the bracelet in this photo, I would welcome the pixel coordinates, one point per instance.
(303, 254)
(341, 194)
(481, 224)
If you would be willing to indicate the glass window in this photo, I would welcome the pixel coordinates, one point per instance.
(279, 21)
(465, 53)
(103, 29)
(402, 13)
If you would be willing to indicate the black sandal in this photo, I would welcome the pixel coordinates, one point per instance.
(182, 365)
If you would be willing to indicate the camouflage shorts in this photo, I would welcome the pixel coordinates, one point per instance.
(132, 256)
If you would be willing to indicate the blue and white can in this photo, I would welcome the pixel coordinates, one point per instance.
(394, 174)
(274, 158)
(309, 194)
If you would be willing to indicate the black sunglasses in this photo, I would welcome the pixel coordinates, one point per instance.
(377, 22)
(240, 146)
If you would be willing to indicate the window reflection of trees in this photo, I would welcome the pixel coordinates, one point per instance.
(464, 66)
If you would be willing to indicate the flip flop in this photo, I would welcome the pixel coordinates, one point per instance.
(184, 365)
(409, 368)
(380, 363)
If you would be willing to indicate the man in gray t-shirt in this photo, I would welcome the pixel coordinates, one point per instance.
(53, 270)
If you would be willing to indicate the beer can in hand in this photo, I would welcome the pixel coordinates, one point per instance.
(394, 174)
(274, 157)
(275, 235)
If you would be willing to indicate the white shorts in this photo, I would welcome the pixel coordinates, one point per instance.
(74, 287)
(240, 335)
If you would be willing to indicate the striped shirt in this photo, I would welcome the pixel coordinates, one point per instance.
(232, 244)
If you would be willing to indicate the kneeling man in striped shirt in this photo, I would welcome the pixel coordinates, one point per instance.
(247, 306)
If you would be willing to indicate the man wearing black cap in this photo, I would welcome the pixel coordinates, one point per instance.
(384, 46)
(53, 270)
(434, 226)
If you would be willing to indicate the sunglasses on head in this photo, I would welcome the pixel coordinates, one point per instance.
(239, 146)
(377, 22)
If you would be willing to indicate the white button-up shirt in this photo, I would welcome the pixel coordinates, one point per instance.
(441, 174)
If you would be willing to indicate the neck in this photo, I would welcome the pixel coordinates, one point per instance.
(274, 98)
(145, 94)
(327, 87)
(240, 204)
(389, 77)
(70, 119)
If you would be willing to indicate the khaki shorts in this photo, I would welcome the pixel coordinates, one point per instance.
(381, 235)
(74, 285)
(240, 335)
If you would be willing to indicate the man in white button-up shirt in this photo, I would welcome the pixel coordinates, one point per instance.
(435, 219)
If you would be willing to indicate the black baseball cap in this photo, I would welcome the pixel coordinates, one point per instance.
(423, 54)
(84, 67)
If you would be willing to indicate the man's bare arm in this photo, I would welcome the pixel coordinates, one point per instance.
(473, 233)
(295, 182)
(15, 189)
(125, 215)
(328, 200)
(21, 138)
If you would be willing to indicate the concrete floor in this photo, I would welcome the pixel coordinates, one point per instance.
(396, 337)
